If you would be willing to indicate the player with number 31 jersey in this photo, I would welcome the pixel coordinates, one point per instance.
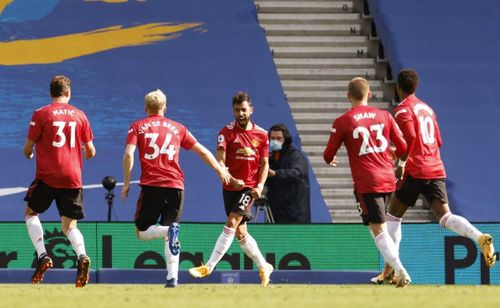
(59, 131)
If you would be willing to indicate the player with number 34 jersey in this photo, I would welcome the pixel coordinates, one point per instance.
(160, 139)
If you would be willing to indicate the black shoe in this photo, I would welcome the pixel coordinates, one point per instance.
(82, 274)
(42, 265)
(171, 283)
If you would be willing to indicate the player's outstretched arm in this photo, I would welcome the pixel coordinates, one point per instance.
(128, 164)
(28, 148)
(210, 160)
(221, 159)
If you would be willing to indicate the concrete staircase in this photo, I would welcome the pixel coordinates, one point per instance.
(318, 46)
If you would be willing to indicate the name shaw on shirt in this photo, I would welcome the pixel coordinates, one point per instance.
(364, 115)
(158, 123)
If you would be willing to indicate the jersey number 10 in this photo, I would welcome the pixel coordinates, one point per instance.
(427, 129)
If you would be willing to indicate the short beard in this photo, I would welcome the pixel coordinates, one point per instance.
(244, 125)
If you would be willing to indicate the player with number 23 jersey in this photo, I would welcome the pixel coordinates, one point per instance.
(366, 132)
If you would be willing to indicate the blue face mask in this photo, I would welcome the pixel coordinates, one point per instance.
(275, 145)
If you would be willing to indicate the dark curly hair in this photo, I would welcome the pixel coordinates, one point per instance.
(408, 80)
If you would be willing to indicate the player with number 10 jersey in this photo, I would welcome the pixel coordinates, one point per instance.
(424, 161)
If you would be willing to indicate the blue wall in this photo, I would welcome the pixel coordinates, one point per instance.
(454, 46)
(200, 68)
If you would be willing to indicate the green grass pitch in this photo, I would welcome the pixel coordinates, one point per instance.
(242, 295)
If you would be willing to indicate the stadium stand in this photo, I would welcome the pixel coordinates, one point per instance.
(454, 46)
(318, 46)
(200, 54)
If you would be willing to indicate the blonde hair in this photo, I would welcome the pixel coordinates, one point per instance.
(359, 88)
(155, 101)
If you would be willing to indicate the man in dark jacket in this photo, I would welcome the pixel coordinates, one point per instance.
(288, 180)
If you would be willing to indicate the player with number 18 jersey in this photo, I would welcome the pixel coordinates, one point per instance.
(244, 149)
(159, 140)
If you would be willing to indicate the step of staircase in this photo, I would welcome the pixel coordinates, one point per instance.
(327, 73)
(314, 6)
(320, 96)
(316, 41)
(320, 63)
(319, 52)
(307, 18)
(328, 106)
(315, 29)
(323, 85)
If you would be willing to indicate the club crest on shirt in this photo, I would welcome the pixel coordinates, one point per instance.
(255, 142)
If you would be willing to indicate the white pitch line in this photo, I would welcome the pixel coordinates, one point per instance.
(17, 190)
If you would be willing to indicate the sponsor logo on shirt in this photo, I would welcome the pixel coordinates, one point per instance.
(245, 151)
(32, 123)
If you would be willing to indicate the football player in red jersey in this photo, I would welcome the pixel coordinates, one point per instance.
(366, 133)
(159, 140)
(242, 147)
(421, 170)
(57, 132)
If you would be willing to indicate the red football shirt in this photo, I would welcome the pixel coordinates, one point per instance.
(424, 161)
(244, 149)
(59, 131)
(366, 133)
(159, 140)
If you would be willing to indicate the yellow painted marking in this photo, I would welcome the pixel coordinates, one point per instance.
(3, 4)
(60, 48)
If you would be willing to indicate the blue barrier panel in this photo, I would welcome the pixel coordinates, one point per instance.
(199, 52)
(454, 47)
